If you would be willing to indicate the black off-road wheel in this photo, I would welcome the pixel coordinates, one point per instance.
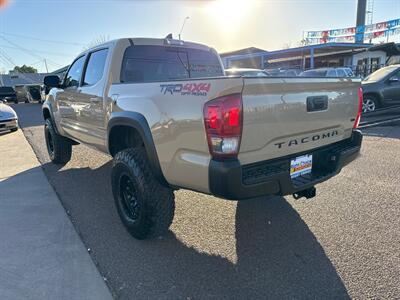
(145, 207)
(58, 147)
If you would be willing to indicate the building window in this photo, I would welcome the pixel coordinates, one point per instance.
(375, 63)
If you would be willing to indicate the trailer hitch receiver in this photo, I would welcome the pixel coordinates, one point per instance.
(307, 193)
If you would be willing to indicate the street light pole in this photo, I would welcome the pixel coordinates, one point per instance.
(45, 64)
(183, 25)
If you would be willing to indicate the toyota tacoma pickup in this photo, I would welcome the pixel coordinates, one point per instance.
(170, 118)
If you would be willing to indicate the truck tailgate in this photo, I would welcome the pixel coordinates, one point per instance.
(284, 116)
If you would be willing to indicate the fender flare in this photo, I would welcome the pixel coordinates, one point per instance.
(47, 106)
(139, 123)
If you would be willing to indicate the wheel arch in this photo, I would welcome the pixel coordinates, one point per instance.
(375, 95)
(48, 114)
(135, 125)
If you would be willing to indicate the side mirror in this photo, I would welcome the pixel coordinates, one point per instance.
(51, 81)
(393, 79)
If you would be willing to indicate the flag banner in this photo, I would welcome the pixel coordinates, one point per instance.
(393, 23)
(351, 34)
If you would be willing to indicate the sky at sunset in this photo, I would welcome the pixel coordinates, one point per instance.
(31, 30)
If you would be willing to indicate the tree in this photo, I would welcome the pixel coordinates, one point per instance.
(24, 69)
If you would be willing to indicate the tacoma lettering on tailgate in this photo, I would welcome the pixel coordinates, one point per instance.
(307, 139)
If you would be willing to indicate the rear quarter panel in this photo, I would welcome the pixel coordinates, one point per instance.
(175, 118)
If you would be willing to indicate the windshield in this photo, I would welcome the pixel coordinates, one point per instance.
(379, 74)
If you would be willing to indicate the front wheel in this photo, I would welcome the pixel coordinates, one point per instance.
(370, 103)
(58, 147)
(145, 207)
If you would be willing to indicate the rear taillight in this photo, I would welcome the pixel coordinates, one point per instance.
(223, 118)
(360, 104)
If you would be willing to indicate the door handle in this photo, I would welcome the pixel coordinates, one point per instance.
(96, 100)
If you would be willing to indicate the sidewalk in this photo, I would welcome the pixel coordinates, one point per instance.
(41, 255)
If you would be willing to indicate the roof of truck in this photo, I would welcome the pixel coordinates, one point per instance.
(153, 42)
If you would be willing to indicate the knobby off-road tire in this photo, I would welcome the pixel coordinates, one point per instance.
(58, 147)
(145, 207)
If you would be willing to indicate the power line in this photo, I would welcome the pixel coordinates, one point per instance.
(21, 48)
(7, 58)
(40, 51)
(36, 63)
(10, 61)
(41, 40)
(28, 51)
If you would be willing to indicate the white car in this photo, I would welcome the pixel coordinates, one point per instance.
(328, 72)
(246, 72)
(8, 118)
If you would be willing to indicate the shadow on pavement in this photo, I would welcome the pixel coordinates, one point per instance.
(392, 132)
(5, 132)
(277, 254)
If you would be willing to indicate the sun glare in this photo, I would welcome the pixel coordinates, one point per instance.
(3, 3)
(229, 14)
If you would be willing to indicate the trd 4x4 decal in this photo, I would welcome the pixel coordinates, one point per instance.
(192, 89)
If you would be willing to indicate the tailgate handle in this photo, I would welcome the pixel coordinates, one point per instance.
(317, 103)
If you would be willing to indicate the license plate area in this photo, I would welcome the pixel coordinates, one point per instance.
(301, 165)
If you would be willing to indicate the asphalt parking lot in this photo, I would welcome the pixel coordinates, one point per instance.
(345, 243)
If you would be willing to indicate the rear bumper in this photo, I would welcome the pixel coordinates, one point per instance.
(231, 180)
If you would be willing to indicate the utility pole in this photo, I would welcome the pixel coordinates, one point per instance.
(369, 14)
(361, 10)
(45, 64)
(183, 25)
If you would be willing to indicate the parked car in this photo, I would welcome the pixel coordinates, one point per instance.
(21, 92)
(8, 93)
(245, 72)
(172, 124)
(328, 72)
(33, 93)
(283, 72)
(8, 118)
(28, 93)
(381, 88)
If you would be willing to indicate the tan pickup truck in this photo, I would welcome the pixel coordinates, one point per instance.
(171, 119)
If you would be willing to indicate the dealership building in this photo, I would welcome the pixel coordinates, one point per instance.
(362, 58)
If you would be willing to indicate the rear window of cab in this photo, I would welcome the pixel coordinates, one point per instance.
(158, 63)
